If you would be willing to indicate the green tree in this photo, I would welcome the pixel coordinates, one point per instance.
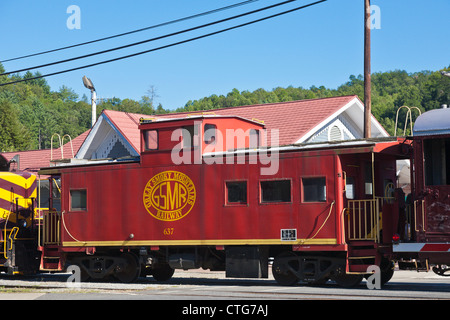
(13, 135)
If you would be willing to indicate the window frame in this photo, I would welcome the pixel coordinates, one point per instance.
(303, 189)
(263, 202)
(145, 138)
(193, 139)
(436, 153)
(210, 137)
(243, 204)
(253, 134)
(78, 209)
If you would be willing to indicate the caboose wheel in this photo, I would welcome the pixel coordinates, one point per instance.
(130, 269)
(282, 269)
(163, 272)
(387, 270)
(347, 280)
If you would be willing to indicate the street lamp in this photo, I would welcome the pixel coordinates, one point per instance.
(89, 85)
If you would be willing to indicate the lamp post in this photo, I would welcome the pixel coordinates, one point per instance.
(89, 85)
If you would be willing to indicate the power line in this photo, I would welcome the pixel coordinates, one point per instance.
(150, 40)
(134, 31)
(169, 45)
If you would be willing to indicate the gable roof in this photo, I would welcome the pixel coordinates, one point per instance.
(127, 124)
(295, 120)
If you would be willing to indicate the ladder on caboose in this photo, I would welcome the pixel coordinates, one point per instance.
(361, 255)
(49, 241)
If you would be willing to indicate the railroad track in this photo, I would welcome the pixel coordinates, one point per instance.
(195, 286)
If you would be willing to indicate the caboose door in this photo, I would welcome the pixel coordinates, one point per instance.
(358, 178)
(51, 217)
(361, 214)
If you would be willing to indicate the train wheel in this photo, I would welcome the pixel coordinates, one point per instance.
(130, 270)
(282, 269)
(347, 280)
(163, 272)
(84, 276)
(387, 270)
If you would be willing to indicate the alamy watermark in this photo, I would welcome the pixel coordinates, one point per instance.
(74, 280)
(374, 20)
(74, 20)
(374, 280)
(235, 146)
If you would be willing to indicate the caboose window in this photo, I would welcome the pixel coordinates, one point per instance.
(190, 136)
(276, 191)
(254, 139)
(151, 140)
(437, 161)
(236, 192)
(78, 200)
(314, 189)
(210, 133)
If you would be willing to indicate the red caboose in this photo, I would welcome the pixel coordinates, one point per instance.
(208, 193)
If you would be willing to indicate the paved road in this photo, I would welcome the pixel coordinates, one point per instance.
(204, 285)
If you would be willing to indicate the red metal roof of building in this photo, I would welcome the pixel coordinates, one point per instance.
(127, 124)
(293, 119)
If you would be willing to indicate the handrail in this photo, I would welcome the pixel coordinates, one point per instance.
(51, 146)
(422, 202)
(11, 237)
(4, 235)
(71, 144)
(61, 145)
(406, 120)
(14, 230)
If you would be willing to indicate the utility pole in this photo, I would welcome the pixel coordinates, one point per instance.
(367, 76)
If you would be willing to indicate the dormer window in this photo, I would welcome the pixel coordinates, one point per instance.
(254, 139)
(210, 133)
(151, 140)
(190, 136)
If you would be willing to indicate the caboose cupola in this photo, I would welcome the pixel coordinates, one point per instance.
(186, 140)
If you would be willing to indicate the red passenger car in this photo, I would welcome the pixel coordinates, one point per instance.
(424, 239)
(208, 193)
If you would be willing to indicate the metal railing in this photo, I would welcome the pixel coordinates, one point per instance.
(363, 220)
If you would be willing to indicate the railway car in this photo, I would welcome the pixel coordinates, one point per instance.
(207, 192)
(18, 245)
(424, 239)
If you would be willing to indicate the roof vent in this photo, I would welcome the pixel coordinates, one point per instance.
(335, 134)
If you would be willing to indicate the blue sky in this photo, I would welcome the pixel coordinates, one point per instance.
(320, 45)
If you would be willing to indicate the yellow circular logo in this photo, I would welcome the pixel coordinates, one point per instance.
(169, 195)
